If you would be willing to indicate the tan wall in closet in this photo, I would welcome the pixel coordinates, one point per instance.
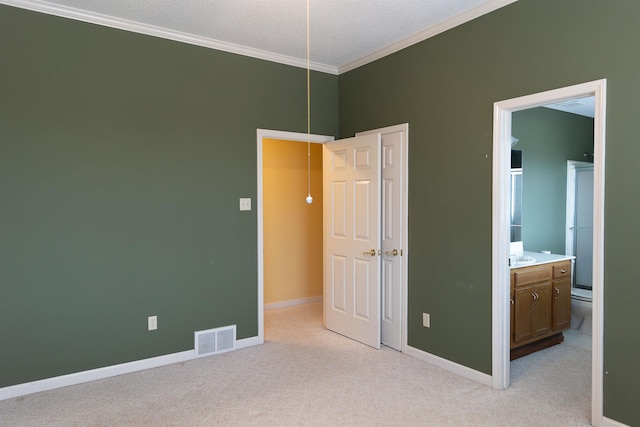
(292, 228)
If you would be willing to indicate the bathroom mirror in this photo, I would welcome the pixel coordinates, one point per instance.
(516, 195)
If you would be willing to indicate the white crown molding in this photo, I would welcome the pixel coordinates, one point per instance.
(450, 23)
(138, 27)
(152, 30)
(141, 28)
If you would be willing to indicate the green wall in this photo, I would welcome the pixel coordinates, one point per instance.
(445, 88)
(122, 159)
(548, 138)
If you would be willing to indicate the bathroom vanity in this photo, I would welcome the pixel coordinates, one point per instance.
(540, 301)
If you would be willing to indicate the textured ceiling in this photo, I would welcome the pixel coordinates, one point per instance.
(342, 32)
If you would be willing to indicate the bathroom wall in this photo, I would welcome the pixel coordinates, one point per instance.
(292, 228)
(548, 138)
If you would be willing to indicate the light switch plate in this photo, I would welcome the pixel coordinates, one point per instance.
(245, 203)
(152, 323)
(426, 320)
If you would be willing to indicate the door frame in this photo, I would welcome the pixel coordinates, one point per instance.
(321, 139)
(287, 136)
(500, 235)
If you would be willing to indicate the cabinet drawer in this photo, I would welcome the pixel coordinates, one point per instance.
(562, 270)
(531, 275)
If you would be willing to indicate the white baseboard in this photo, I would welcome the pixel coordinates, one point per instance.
(450, 366)
(247, 342)
(608, 422)
(292, 302)
(18, 390)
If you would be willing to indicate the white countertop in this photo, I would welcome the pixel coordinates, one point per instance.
(543, 258)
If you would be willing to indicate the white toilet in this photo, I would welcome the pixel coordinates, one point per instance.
(581, 310)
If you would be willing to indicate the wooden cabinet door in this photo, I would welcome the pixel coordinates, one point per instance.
(542, 309)
(561, 314)
(523, 307)
(532, 308)
(513, 317)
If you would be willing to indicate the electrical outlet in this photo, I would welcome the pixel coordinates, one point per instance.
(245, 203)
(426, 320)
(152, 323)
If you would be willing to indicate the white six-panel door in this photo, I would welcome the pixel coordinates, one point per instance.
(352, 224)
(392, 239)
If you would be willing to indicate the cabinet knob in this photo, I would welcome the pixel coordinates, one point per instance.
(563, 271)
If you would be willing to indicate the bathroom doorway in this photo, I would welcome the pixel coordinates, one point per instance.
(500, 220)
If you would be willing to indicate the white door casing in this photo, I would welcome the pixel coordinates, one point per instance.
(351, 187)
(500, 233)
(393, 165)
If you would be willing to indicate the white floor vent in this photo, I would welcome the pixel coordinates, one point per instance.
(214, 341)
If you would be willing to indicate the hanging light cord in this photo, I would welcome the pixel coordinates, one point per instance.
(309, 198)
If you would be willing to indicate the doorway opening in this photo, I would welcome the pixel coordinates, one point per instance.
(292, 227)
(501, 229)
(262, 135)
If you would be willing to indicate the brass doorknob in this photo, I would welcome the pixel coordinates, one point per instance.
(393, 252)
(372, 252)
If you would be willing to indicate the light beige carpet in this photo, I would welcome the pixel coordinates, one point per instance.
(305, 375)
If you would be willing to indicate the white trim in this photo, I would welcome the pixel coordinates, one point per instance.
(448, 365)
(292, 302)
(608, 422)
(500, 235)
(404, 128)
(153, 30)
(75, 378)
(94, 374)
(287, 136)
(469, 15)
(247, 342)
(501, 310)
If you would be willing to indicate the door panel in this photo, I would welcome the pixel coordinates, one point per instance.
(352, 214)
(362, 289)
(338, 283)
(362, 222)
(339, 212)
